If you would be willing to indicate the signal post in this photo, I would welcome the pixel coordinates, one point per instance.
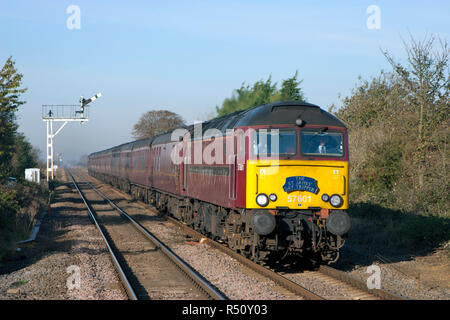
(65, 114)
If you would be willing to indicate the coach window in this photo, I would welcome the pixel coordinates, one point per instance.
(159, 159)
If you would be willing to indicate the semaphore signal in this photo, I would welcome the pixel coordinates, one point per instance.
(84, 102)
(62, 113)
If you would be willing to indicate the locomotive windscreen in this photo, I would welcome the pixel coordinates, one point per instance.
(273, 142)
(317, 143)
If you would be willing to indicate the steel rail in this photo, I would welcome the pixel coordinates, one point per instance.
(284, 282)
(346, 278)
(288, 284)
(126, 284)
(189, 272)
(277, 278)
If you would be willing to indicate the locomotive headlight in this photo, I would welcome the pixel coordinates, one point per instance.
(336, 201)
(273, 197)
(325, 197)
(262, 200)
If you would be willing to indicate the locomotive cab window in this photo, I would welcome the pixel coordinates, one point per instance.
(266, 142)
(317, 143)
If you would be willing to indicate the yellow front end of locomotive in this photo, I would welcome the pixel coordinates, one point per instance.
(297, 184)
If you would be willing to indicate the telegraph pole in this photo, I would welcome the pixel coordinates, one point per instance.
(62, 113)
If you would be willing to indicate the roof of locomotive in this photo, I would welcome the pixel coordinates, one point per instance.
(286, 113)
(270, 114)
(274, 114)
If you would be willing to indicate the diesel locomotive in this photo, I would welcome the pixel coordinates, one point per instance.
(271, 181)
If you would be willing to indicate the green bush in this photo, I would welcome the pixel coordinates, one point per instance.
(18, 210)
(9, 206)
(398, 134)
(381, 169)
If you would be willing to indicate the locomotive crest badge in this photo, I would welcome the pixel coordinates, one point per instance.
(300, 183)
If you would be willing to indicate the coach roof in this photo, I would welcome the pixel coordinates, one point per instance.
(270, 114)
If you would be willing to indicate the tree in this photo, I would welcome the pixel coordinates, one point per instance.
(290, 89)
(10, 82)
(398, 132)
(426, 78)
(156, 122)
(25, 156)
(261, 92)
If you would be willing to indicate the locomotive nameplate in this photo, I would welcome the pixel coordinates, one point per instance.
(300, 183)
(209, 170)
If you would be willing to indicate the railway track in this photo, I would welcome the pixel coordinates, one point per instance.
(148, 269)
(353, 288)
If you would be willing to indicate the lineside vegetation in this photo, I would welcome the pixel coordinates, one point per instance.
(20, 202)
(398, 127)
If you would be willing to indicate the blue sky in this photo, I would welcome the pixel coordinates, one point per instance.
(188, 56)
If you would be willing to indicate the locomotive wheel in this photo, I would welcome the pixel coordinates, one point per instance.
(161, 204)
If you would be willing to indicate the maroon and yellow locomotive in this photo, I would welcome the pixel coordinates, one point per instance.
(270, 181)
